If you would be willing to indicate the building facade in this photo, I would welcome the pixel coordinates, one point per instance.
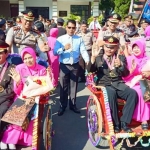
(50, 8)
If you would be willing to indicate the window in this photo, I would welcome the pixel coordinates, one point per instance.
(62, 13)
(81, 10)
(44, 11)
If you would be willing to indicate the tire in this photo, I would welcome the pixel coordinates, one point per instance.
(95, 123)
(47, 128)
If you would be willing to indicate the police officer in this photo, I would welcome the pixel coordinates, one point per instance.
(88, 39)
(61, 30)
(143, 24)
(20, 37)
(128, 26)
(113, 21)
(110, 68)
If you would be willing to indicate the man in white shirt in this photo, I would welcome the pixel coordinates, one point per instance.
(94, 25)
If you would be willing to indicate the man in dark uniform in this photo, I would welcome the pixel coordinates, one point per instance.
(21, 37)
(61, 30)
(7, 94)
(110, 68)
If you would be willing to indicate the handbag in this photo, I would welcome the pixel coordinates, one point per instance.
(19, 114)
(145, 88)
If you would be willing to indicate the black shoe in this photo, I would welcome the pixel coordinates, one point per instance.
(74, 109)
(125, 128)
(116, 128)
(144, 126)
(61, 111)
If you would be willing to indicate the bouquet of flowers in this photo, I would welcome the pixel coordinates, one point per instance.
(37, 85)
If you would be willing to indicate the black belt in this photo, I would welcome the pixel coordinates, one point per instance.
(70, 64)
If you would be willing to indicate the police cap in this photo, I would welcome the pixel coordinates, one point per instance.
(111, 40)
(114, 18)
(60, 20)
(128, 17)
(28, 14)
(2, 21)
(3, 46)
(144, 21)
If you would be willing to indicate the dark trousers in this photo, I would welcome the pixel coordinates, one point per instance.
(3, 108)
(131, 98)
(68, 84)
(82, 66)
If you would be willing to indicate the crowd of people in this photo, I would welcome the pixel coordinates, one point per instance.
(117, 55)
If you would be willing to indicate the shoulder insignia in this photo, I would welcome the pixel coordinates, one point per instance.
(36, 31)
(16, 28)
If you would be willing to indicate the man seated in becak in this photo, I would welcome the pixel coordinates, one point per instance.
(6, 84)
(110, 68)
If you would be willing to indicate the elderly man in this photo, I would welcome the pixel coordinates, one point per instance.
(20, 37)
(7, 94)
(110, 68)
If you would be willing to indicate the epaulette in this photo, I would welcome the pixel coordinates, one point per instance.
(16, 28)
(36, 31)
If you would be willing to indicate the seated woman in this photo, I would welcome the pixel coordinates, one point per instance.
(135, 64)
(14, 134)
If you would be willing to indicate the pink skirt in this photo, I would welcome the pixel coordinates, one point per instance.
(15, 135)
(142, 110)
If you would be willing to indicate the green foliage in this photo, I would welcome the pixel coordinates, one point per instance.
(106, 5)
(100, 18)
(1, 16)
(71, 16)
(122, 7)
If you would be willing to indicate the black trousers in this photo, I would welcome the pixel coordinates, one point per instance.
(82, 66)
(131, 98)
(3, 108)
(68, 84)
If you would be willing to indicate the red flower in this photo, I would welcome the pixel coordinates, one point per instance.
(38, 82)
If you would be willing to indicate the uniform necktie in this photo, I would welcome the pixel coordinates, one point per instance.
(71, 53)
(109, 59)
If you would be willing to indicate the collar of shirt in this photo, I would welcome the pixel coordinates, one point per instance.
(1, 65)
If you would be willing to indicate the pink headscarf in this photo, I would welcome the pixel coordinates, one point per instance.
(141, 59)
(30, 51)
(52, 39)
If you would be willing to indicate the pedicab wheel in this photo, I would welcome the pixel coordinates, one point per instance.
(95, 123)
(47, 127)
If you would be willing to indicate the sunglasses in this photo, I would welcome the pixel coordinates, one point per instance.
(72, 28)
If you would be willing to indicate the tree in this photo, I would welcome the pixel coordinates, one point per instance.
(122, 7)
(106, 6)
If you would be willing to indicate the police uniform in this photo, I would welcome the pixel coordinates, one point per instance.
(7, 94)
(115, 18)
(111, 79)
(128, 29)
(21, 40)
(88, 39)
(140, 29)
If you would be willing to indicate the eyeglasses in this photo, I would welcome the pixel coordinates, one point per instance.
(72, 28)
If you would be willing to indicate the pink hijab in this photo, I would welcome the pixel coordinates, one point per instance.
(30, 51)
(141, 59)
(147, 31)
(52, 39)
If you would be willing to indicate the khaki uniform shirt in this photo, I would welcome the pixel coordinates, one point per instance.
(88, 39)
(20, 40)
(116, 34)
(141, 31)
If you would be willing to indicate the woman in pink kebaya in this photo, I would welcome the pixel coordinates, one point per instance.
(14, 134)
(136, 64)
(54, 59)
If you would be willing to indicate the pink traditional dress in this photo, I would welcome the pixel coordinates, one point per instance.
(14, 134)
(54, 59)
(142, 110)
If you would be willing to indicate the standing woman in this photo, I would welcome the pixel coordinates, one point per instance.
(14, 134)
(54, 59)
